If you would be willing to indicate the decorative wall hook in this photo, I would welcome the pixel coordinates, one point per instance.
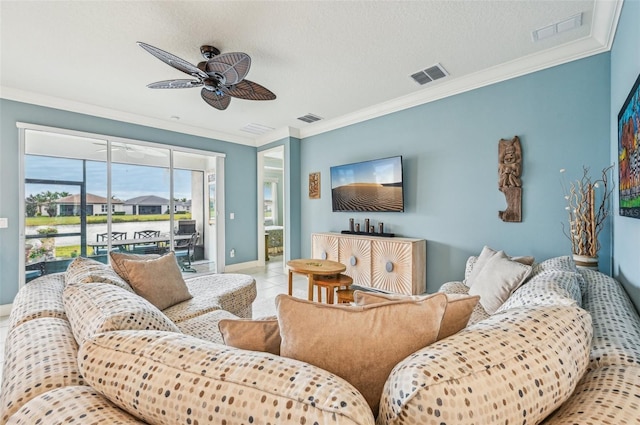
(509, 182)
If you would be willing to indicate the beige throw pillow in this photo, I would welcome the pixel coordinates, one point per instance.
(158, 280)
(255, 335)
(497, 279)
(485, 255)
(361, 344)
(117, 261)
(456, 315)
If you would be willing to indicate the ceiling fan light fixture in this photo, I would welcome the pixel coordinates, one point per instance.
(221, 76)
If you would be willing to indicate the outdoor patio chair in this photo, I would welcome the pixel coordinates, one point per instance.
(115, 236)
(184, 252)
(147, 247)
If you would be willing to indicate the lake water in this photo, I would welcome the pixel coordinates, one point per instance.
(94, 229)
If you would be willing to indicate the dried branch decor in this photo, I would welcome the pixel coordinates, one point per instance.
(585, 221)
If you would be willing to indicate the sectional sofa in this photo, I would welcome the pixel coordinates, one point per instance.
(84, 348)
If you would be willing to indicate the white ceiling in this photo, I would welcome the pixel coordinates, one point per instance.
(345, 61)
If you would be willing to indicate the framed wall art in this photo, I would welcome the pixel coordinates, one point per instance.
(314, 185)
(629, 153)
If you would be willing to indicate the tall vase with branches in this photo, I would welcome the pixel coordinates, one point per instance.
(587, 213)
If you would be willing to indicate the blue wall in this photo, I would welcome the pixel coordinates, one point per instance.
(625, 67)
(450, 153)
(240, 175)
(564, 117)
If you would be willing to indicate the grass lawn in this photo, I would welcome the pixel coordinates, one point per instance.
(97, 219)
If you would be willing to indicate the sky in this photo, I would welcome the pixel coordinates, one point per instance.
(385, 170)
(127, 181)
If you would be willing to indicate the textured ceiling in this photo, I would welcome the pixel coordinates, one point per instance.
(344, 61)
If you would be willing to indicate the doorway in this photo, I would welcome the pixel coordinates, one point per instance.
(271, 202)
(86, 194)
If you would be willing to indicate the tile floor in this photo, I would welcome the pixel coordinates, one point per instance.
(271, 280)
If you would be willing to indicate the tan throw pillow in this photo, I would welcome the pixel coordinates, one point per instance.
(255, 335)
(117, 261)
(499, 277)
(158, 280)
(456, 315)
(360, 344)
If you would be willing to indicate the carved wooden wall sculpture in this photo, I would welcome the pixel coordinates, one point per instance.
(509, 183)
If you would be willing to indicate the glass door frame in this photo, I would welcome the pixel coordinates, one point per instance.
(219, 193)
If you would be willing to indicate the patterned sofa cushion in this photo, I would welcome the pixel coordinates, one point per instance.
(86, 270)
(205, 326)
(608, 395)
(510, 368)
(546, 288)
(616, 325)
(478, 313)
(42, 297)
(41, 356)
(74, 404)
(99, 307)
(231, 292)
(563, 263)
(218, 384)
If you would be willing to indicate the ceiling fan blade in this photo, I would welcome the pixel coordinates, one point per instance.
(233, 67)
(174, 61)
(218, 101)
(249, 90)
(175, 84)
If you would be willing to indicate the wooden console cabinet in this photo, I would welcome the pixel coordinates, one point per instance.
(396, 265)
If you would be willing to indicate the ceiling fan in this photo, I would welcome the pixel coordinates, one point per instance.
(221, 76)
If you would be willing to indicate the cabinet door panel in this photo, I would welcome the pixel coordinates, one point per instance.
(356, 255)
(391, 267)
(324, 247)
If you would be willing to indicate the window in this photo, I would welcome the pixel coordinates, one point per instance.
(85, 195)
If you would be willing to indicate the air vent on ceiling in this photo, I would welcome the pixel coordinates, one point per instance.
(559, 27)
(430, 74)
(310, 118)
(256, 128)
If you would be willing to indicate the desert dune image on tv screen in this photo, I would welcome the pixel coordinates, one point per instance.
(368, 186)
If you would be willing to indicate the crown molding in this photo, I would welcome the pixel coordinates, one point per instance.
(10, 93)
(606, 14)
(605, 21)
(440, 90)
(275, 135)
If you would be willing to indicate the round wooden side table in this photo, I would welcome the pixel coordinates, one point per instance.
(311, 267)
(330, 283)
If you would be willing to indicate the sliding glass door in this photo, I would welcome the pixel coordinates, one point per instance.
(86, 196)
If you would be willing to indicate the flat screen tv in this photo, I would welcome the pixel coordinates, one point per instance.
(369, 186)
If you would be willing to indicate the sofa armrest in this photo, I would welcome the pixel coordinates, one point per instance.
(526, 361)
(232, 292)
(176, 378)
(616, 324)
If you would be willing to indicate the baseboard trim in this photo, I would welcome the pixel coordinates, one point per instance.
(231, 268)
(5, 309)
